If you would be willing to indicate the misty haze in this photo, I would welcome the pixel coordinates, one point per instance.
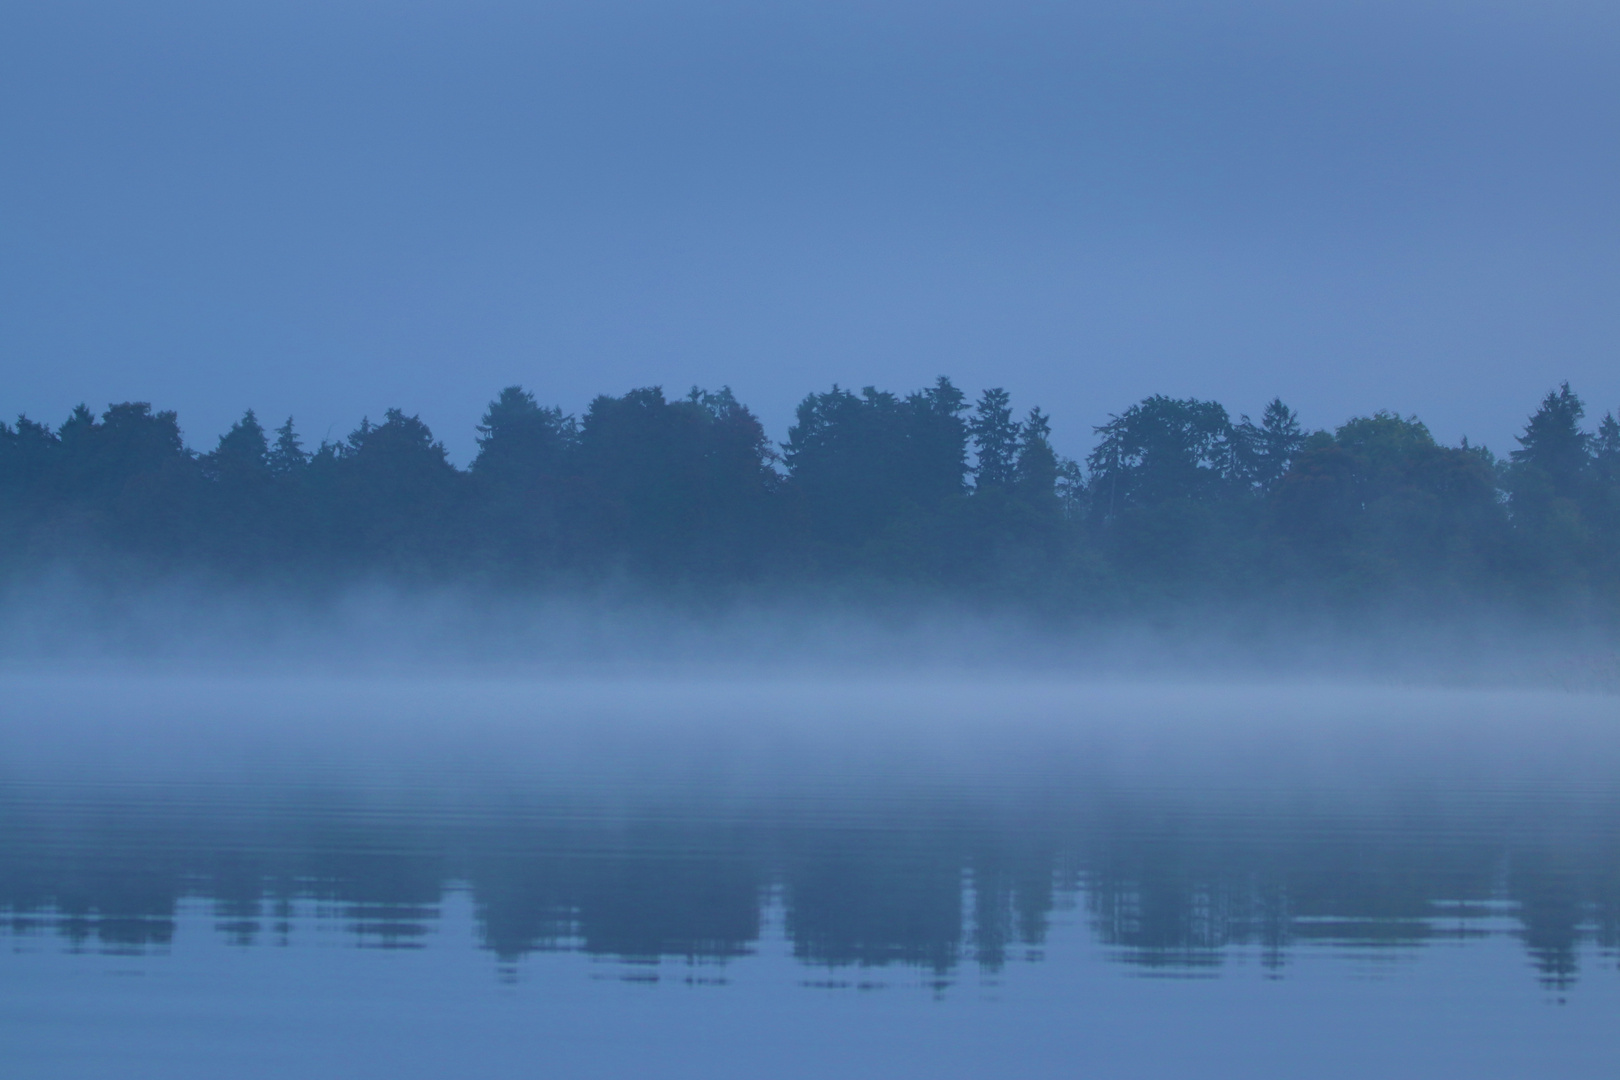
(708, 540)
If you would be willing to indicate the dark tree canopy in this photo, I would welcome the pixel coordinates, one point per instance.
(1265, 451)
(858, 462)
(519, 442)
(1382, 503)
(1553, 444)
(1162, 449)
(996, 439)
(917, 490)
(287, 457)
(243, 452)
(1036, 466)
(675, 481)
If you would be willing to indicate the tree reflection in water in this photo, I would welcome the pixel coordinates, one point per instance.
(1171, 887)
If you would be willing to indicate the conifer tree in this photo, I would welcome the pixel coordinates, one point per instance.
(995, 440)
(1036, 469)
(1553, 444)
(1265, 451)
(287, 456)
(242, 451)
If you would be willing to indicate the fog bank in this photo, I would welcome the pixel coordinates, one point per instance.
(65, 624)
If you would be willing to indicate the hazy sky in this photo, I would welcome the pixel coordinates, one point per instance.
(328, 208)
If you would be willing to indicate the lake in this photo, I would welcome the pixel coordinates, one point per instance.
(780, 874)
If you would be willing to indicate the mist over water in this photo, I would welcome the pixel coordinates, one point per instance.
(603, 864)
(62, 622)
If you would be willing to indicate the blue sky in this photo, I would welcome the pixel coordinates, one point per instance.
(325, 209)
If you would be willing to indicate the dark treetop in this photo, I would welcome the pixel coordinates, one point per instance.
(872, 491)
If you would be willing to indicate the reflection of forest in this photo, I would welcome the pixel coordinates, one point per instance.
(931, 888)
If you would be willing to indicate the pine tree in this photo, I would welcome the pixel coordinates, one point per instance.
(1037, 468)
(1265, 451)
(287, 456)
(1606, 448)
(1554, 445)
(521, 442)
(242, 451)
(996, 440)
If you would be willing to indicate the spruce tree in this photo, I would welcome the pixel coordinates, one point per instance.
(1553, 444)
(287, 456)
(995, 440)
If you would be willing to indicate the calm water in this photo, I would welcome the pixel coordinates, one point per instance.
(804, 877)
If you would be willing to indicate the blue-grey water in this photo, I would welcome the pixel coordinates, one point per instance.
(803, 876)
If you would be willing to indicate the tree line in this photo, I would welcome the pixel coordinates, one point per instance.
(1177, 500)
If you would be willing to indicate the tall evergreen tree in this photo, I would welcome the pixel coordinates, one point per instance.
(1602, 502)
(1036, 469)
(519, 441)
(29, 460)
(995, 440)
(243, 451)
(287, 457)
(1265, 451)
(936, 439)
(1553, 444)
(1606, 450)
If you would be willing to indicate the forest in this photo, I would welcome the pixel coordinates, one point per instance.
(873, 494)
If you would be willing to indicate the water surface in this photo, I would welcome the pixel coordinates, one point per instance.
(749, 876)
